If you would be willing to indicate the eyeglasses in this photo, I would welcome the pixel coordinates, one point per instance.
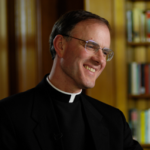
(92, 46)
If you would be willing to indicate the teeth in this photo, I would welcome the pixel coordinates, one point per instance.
(91, 69)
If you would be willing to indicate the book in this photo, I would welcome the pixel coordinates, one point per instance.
(142, 79)
(134, 78)
(149, 78)
(142, 127)
(129, 78)
(136, 24)
(138, 126)
(139, 123)
(133, 87)
(129, 25)
(133, 118)
(138, 78)
(139, 20)
(146, 78)
(148, 25)
(148, 125)
(142, 26)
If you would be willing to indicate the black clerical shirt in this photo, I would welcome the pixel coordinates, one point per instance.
(71, 119)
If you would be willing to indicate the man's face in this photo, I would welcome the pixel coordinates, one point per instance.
(81, 68)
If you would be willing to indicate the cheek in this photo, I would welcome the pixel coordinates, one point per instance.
(103, 66)
(74, 55)
(83, 55)
(70, 52)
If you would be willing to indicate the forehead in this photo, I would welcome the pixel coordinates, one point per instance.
(92, 30)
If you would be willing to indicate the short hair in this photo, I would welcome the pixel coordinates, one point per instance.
(67, 22)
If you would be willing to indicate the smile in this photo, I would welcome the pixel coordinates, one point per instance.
(91, 69)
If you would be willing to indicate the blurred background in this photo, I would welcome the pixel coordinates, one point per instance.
(25, 26)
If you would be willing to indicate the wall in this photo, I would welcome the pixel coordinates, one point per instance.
(24, 34)
(111, 85)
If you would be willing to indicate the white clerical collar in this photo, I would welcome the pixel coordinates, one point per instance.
(72, 95)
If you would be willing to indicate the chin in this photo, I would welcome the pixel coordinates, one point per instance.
(88, 86)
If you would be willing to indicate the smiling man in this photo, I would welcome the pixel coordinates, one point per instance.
(77, 65)
(56, 114)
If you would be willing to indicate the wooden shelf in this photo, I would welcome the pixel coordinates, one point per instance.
(140, 102)
(138, 0)
(145, 145)
(138, 44)
(145, 96)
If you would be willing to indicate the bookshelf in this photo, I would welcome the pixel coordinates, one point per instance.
(114, 78)
(145, 96)
(138, 51)
(138, 44)
(145, 146)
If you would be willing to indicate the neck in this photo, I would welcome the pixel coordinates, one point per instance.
(67, 93)
(62, 85)
(58, 78)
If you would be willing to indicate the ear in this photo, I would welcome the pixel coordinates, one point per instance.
(58, 43)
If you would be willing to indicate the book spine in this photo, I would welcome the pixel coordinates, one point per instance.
(139, 127)
(149, 78)
(142, 27)
(139, 121)
(138, 78)
(133, 122)
(148, 122)
(129, 78)
(136, 25)
(142, 79)
(148, 25)
(134, 79)
(129, 25)
(146, 68)
(146, 126)
(142, 122)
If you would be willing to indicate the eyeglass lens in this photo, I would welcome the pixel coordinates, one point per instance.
(94, 47)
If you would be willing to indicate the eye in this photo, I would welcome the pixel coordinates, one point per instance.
(93, 45)
(105, 51)
(90, 46)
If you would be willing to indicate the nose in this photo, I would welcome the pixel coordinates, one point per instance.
(99, 57)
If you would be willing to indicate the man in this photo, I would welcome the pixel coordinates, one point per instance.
(56, 114)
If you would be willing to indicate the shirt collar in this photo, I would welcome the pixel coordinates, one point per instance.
(72, 96)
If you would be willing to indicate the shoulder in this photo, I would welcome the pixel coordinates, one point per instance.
(17, 98)
(18, 102)
(108, 112)
(98, 104)
(114, 120)
(25, 97)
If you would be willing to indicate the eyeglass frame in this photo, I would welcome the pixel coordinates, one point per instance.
(112, 52)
